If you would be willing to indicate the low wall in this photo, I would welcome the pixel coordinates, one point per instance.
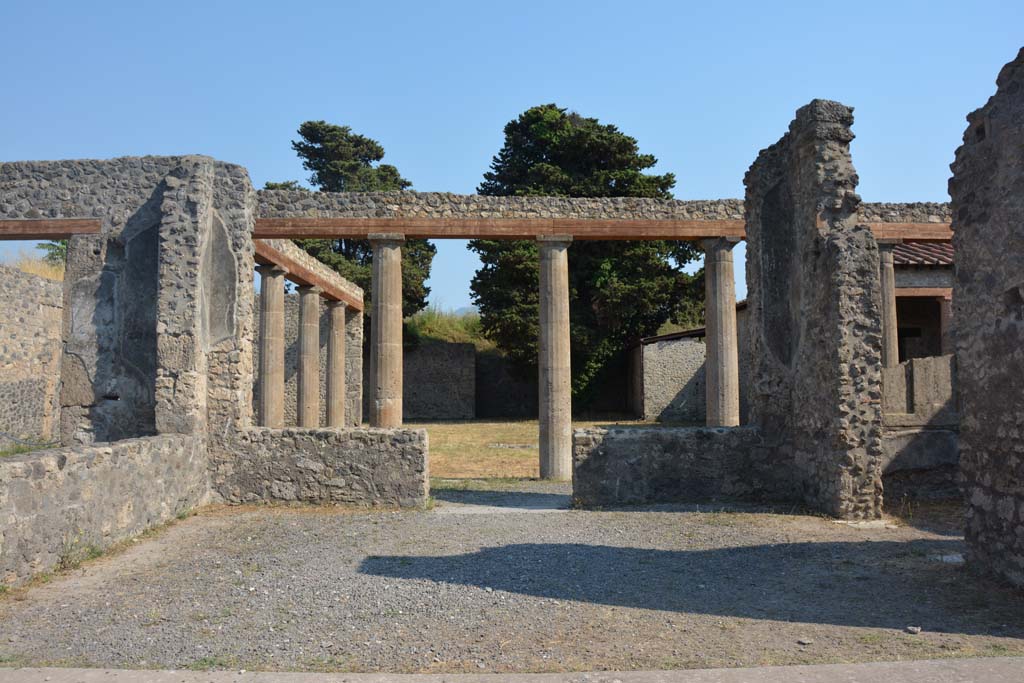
(57, 505)
(920, 439)
(503, 394)
(362, 467)
(631, 465)
(30, 354)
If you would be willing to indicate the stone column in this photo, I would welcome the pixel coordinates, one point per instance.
(386, 331)
(336, 364)
(308, 412)
(555, 378)
(946, 323)
(890, 340)
(271, 405)
(721, 365)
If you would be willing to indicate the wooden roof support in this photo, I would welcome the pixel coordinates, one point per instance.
(300, 274)
(47, 228)
(531, 228)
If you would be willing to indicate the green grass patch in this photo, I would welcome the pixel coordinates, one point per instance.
(435, 325)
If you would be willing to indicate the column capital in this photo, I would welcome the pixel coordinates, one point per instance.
(555, 239)
(719, 243)
(310, 289)
(335, 303)
(385, 237)
(270, 269)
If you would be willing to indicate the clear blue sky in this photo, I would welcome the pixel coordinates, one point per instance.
(703, 86)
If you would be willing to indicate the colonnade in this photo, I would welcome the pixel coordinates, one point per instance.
(270, 408)
(555, 382)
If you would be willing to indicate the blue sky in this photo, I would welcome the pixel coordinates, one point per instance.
(702, 86)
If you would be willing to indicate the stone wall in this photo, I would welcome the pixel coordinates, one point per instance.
(672, 380)
(58, 505)
(30, 355)
(815, 330)
(634, 465)
(363, 467)
(353, 362)
(501, 392)
(438, 381)
(306, 204)
(987, 189)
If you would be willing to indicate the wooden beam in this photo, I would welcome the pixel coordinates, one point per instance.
(300, 274)
(912, 232)
(929, 292)
(531, 228)
(47, 228)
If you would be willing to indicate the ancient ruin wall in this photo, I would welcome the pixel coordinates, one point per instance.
(363, 467)
(987, 189)
(438, 381)
(306, 204)
(630, 466)
(30, 355)
(815, 335)
(58, 505)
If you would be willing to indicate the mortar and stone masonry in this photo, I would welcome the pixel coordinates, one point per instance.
(158, 333)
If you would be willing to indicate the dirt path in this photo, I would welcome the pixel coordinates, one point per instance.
(513, 586)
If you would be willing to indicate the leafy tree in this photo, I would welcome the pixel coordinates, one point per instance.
(56, 252)
(343, 161)
(619, 291)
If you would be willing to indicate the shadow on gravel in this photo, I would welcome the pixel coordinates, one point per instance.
(884, 584)
(522, 500)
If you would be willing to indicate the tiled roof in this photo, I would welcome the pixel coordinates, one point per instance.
(923, 254)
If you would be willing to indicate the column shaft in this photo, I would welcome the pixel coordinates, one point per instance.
(946, 324)
(721, 366)
(336, 364)
(308, 411)
(887, 275)
(271, 403)
(555, 379)
(386, 332)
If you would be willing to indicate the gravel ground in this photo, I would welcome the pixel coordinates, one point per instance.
(514, 587)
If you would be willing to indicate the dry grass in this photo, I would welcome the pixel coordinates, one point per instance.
(482, 450)
(34, 265)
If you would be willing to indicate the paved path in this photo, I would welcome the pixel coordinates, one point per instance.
(993, 670)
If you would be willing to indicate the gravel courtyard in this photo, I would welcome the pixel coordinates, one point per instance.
(512, 581)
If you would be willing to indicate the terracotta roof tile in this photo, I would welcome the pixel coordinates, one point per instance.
(923, 254)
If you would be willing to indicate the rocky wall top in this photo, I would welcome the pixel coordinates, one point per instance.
(406, 204)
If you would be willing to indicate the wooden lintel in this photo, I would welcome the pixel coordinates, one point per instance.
(912, 232)
(531, 228)
(47, 228)
(928, 292)
(302, 275)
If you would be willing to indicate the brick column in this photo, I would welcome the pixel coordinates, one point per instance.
(271, 405)
(308, 412)
(721, 364)
(555, 378)
(386, 331)
(336, 364)
(890, 340)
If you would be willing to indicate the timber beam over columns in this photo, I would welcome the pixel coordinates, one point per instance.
(47, 228)
(533, 228)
